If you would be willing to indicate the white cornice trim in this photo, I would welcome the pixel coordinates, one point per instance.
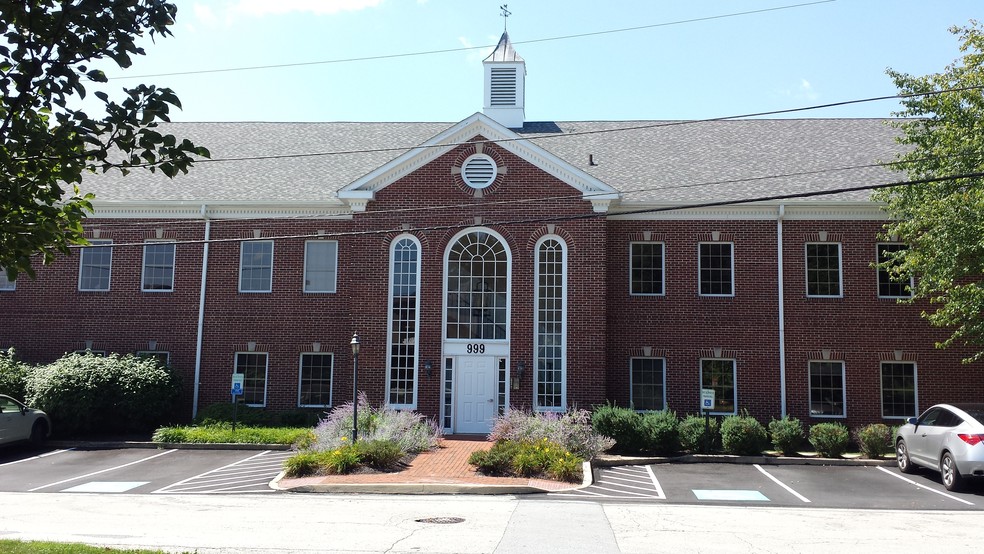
(219, 210)
(851, 211)
(363, 189)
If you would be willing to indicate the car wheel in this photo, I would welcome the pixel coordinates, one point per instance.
(952, 479)
(902, 457)
(39, 432)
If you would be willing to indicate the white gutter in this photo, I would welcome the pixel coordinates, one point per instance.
(201, 312)
(782, 312)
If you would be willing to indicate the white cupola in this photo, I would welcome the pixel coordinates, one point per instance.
(505, 85)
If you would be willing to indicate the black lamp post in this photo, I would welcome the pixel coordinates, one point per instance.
(355, 387)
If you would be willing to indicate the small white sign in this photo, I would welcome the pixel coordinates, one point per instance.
(238, 380)
(706, 399)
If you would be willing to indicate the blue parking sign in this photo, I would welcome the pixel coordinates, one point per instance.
(237, 389)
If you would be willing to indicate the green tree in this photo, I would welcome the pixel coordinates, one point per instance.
(942, 222)
(48, 142)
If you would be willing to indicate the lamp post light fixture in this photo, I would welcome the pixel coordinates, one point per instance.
(355, 387)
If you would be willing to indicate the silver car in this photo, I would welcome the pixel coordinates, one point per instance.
(948, 438)
(20, 423)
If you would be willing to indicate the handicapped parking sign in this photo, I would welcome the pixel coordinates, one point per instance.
(706, 399)
(237, 384)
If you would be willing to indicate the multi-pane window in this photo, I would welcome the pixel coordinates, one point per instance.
(158, 267)
(550, 324)
(898, 389)
(315, 380)
(162, 357)
(716, 269)
(823, 269)
(320, 265)
(404, 297)
(719, 376)
(95, 266)
(647, 379)
(889, 285)
(253, 365)
(5, 283)
(646, 267)
(256, 266)
(827, 389)
(477, 288)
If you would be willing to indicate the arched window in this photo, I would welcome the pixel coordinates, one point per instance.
(477, 288)
(551, 325)
(404, 296)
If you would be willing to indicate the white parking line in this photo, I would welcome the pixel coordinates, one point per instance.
(39, 456)
(781, 484)
(175, 487)
(100, 471)
(930, 489)
(659, 490)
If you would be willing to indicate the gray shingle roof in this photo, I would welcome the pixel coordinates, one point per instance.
(654, 162)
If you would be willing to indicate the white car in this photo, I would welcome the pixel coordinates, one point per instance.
(948, 438)
(20, 423)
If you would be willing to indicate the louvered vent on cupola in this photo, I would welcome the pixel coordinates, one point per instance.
(503, 86)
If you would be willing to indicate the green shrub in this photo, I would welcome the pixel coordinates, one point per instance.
(661, 432)
(787, 435)
(874, 440)
(380, 454)
(13, 375)
(85, 393)
(219, 433)
(699, 434)
(410, 430)
(222, 412)
(496, 460)
(566, 468)
(743, 435)
(621, 424)
(829, 439)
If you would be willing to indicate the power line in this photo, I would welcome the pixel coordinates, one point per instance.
(468, 48)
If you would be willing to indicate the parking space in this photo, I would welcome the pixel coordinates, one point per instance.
(140, 471)
(777, 485)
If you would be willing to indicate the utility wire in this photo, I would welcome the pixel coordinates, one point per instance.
(468, 48)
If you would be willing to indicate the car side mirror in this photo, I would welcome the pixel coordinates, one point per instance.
(912, 421)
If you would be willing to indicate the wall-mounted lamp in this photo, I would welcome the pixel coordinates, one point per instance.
(429, 368)
(518, 376)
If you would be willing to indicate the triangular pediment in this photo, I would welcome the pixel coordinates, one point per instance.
(361, 191)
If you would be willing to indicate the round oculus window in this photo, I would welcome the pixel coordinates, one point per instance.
(479, 171)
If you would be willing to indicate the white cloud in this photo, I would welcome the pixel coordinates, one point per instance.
(477, 54)
(804, 91)
(317, 7)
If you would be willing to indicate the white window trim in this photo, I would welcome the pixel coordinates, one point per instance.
(331, 380)
(662, 268)
(266, 375)
(809, 389)
(536, 325)
(304, 278)
(631, 383)
(840, 269)
(109, 282)
(734, 284)
(915, 388)
(734, 377)
(444, 288)
(389, 325)
(241, 255)
(912, 281)
(6, 285)
(143, 267)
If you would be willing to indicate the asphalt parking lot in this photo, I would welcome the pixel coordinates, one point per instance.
(139, 470)
(804, 486)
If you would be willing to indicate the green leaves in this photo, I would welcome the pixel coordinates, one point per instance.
(942, 223)
(45, 142)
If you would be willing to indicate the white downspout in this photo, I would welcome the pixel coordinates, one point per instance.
(782, 312)
(201, 313)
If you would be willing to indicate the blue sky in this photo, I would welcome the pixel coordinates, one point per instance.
(692, 60)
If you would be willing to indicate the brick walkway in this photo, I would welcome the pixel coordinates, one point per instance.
(446, 465)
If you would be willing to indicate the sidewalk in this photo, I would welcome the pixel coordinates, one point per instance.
(441, 471)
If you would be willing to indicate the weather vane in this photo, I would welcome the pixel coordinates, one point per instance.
(505, 16)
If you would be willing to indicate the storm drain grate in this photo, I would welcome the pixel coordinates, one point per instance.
(442, 520)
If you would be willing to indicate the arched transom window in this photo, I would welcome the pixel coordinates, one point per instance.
(477, 288)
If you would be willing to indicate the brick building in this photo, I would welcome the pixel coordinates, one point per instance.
(496, 262)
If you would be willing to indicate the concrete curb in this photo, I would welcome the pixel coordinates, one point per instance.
(612, 461)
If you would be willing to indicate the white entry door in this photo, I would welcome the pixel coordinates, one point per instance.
(475, 405)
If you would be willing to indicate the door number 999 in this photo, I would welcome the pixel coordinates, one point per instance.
(476, 349)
